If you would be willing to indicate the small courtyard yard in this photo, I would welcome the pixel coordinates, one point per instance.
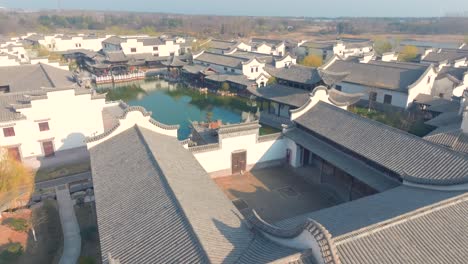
(275, 193)
(62, 171)
(17, 243)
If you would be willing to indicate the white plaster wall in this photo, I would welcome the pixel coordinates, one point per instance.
(219, 68)
(134, 118)
(295, 158)
(71, 118)
(220, 160)
(391, 56)
(78, 42)
(398, 98)
(244, 47)
(247, 69)
(264, 49)
(163, 50)
(423, 86)
(288, 60)
(5, 61)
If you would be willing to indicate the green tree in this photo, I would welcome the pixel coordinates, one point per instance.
(272, 80)
(225, 86)
(382, 45)
(408, 53)
(312, 60)
(16, 181)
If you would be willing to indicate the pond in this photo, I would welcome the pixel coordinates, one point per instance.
(175, 104)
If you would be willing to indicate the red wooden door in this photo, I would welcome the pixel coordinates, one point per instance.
(14, 153)
(239, 162)
(48, 147)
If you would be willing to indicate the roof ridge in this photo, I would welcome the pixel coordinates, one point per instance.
(377, 227)
(380, 124)
(46, 74)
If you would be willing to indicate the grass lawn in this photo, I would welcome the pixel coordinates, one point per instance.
(57, 172)
(267, 130)
(90, 248)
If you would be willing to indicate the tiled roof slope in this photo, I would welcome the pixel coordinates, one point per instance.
(297, 73)
(385, 75)
(156, 204)
(435, 234)
(128, 200)
(411, 157)
(370, 210)
(33, 77)
(451, 137)
(219, 59)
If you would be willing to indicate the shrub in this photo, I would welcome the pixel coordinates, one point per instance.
(86, 260)
(11, 252)
(17, 224)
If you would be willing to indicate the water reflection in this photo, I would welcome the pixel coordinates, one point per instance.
(176, 104)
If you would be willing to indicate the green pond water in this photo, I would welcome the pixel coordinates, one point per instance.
(175, 104)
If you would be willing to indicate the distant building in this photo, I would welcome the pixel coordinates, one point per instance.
(387, 83)
(142, 45)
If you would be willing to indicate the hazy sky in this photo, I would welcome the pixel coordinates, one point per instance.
(311, 8)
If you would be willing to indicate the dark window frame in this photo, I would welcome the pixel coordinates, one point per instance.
(44, 126)
(387, 99)
(9, 132)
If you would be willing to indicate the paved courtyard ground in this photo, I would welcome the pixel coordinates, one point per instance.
(275, 193)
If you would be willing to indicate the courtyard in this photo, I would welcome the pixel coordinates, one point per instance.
(275, 193)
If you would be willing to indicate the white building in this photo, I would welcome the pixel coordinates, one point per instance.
(141, 45)
(346, 48)
(43, 112)
(253, 66)
(60, 42)
(268, 46)
(388, 83)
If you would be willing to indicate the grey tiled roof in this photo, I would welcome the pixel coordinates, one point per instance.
(385, 75)
(451, 136)
(9, 102)
(114, 40)
(221, 44)
(445, 54)
(372, 177)
(409, 156)
(297, 73)
(33, 77)
(370, 210)
(131, 193)
(218, 59)
(445, 119)
(116, 56)
(282, 94)
(435, 234)
(156, 204)
(150, 41)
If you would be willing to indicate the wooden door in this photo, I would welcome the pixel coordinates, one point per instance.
(305, 157)
(48, 147)
(239, 162)
(14, 153)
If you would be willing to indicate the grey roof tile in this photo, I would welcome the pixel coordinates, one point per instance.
(33, 77)
(297, 73)
(385, 75)
(436, 234)
(409, 156)
(282, 94)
